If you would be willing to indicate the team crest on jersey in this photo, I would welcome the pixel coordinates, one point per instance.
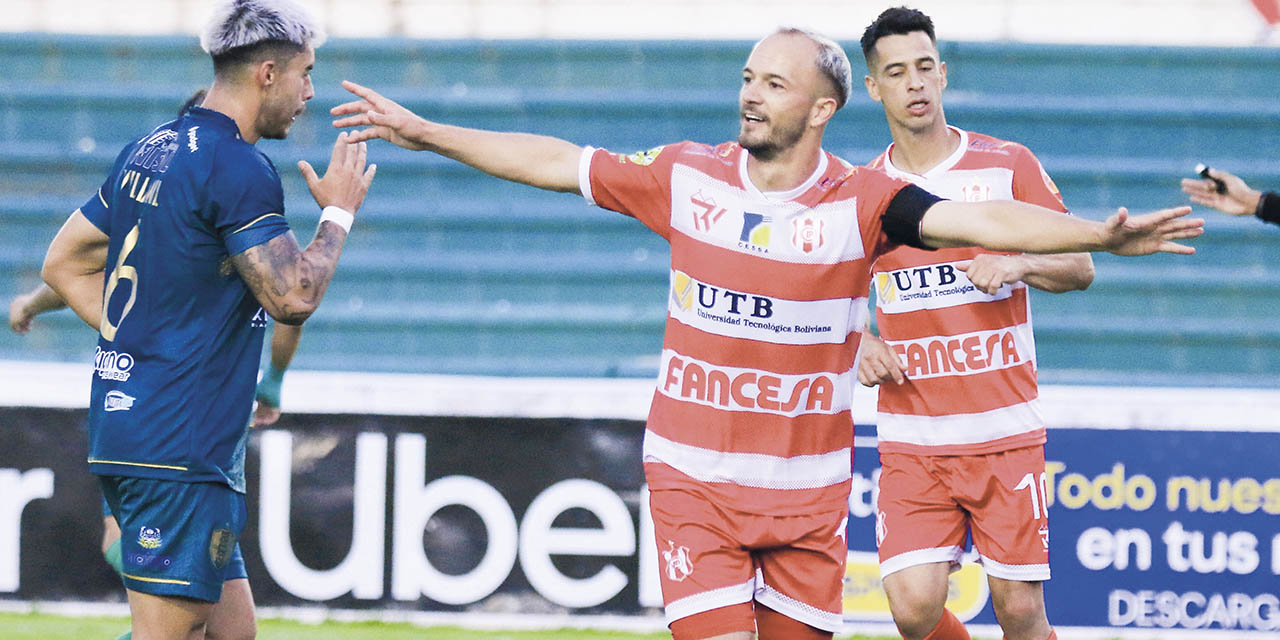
(259, 319)
(976, 192)
(678, 564)
(157, 152)
(644, 158)
(756, 229)
(808, 232)
(149, 538)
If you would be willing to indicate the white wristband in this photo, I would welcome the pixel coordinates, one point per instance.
(338, 216)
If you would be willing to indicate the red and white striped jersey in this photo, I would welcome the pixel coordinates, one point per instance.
(970, 357)
(767, 302)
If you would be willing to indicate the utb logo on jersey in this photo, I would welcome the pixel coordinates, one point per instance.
(755, 232)
(807, 233)
(685, 291)
(644, 158)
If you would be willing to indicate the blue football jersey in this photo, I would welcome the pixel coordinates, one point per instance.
(181, 333)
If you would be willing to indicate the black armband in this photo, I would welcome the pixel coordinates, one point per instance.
(901, 219)
(1269, 207)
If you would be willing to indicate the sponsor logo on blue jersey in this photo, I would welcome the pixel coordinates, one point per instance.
(111, 365)
(118, 401)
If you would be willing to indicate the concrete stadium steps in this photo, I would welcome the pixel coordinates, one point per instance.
(984, 67)
(91, 117)
(449, 270)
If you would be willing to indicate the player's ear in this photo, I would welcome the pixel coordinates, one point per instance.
(265, 72)
(823, 109)
(873, 89)
(942, 68)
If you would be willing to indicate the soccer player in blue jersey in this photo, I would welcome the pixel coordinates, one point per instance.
(177, 261)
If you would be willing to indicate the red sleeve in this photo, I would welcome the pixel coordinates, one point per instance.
(874, 191)
(638, 184)
(1032, 184)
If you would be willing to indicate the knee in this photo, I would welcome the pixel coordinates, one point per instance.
(915, 616)
(1019, 609)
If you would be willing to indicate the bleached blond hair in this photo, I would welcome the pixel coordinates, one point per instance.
(241, 23)
(832, 61)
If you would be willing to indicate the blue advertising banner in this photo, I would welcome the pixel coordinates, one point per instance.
(1149, 528)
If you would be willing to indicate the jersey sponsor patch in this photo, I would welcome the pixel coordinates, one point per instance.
(965, 354)
(112, 365)
(931, 286)
(736, 314)
(726, 216)
(117, 400)
(642, 158)
(753, 390)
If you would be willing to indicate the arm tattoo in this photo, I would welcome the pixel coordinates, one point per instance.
(289, 281)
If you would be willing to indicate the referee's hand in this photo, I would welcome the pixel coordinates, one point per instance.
(346, 180)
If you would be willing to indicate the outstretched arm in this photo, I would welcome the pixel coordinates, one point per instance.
(289, 281)
(27, 306)
(1008, 225)
(75, 267)
(538, 161)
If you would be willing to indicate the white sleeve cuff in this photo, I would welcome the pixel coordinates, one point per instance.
(584, 174)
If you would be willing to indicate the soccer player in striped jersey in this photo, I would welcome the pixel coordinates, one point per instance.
(961, 437)
(749, 436)
(177, 261)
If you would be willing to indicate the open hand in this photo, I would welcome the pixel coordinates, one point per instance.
(384, 117)
(346, 180)
(1149, 233)
(1239, 199)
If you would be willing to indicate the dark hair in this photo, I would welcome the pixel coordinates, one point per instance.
(194, 101)
(897, 21)
(279, 50)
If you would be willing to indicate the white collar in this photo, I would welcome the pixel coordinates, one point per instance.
(941, 167)
(790, 194)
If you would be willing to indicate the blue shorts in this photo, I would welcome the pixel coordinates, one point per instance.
(177, 538)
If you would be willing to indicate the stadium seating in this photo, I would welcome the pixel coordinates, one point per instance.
(448, 270)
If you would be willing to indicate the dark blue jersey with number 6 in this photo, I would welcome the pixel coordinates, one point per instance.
(181, 334)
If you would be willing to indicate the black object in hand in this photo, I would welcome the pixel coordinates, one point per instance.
(1218, 185)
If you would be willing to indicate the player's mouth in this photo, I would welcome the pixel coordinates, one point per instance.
(749, 118)
(918, 107)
